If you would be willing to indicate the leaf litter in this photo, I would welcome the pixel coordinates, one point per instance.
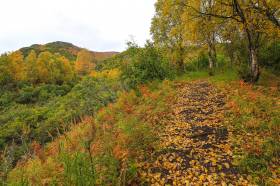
(195, 147)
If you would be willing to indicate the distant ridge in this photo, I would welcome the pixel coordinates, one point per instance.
(68, 50)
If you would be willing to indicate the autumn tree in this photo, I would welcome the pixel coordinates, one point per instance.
(270, 9)
(31, 70)
(175, 27)
(202, 30)
(245, 14)
(17, 66)
(6, 75)
(167, 30)
(85, 62)
(53, 68)
(235, 47)
(43, 67)
(64, 69)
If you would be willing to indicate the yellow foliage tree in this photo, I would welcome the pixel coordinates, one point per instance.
(175, 27)
(54, 68)
(255, 18)
(66, 69)
(179, 23)
(167, 30)
(110, 74)
(43, 67)
(31, 71)
(85, 62)
(201, 30)
(17, 66)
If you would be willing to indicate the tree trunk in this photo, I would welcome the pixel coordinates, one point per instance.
(253, 57)
(180, 63)
(212, 52)
(180, 59)
(254, 65)
(211, 60)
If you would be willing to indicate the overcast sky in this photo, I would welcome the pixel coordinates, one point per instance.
(101, 25)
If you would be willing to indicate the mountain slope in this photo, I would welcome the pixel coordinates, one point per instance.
(68, 50)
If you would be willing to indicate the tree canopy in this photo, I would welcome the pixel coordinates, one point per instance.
(178, 24)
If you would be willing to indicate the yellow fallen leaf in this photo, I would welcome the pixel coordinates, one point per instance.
(226, 165)
(202, 177)
(224, 183)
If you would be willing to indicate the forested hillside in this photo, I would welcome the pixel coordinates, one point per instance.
(199, 104)
(67, 50)
(43, 91)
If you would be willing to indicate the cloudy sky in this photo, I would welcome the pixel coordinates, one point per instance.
(101, 25)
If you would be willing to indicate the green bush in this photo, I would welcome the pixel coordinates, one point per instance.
(46, 119)
(244, 72)
(269, 56)
(84, 99)
(42, 93)
(111, 63)
(6, 99)
(145, 64)
(197, 64)
(222, 61)
(5, 74)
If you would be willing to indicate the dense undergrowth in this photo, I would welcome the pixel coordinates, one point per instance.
(58, 109)
(39, 113)
(103, 149)
(255, 118)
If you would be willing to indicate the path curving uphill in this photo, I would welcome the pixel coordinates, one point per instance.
(195, 147)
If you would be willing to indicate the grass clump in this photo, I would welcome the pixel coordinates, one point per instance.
(255, 119)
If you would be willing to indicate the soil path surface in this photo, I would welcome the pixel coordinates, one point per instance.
(196, 147)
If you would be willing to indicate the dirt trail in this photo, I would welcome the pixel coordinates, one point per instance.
(195, 146)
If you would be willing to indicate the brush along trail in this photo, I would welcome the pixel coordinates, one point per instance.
(195, 146)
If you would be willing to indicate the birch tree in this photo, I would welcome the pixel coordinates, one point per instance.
(254, 17)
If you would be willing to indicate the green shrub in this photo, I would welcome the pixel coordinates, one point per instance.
(53, 112)
(222, 61)
(145, 65)
(197, 64)
(84, 99)
(5, 73)
(6, 99)
(112, 63)
(244, 72)
(269, 56)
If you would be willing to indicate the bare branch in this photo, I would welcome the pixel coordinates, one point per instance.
(268, 12)
(215, 15)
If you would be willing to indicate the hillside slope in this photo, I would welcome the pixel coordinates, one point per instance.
(176, 132)
(66, 49)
